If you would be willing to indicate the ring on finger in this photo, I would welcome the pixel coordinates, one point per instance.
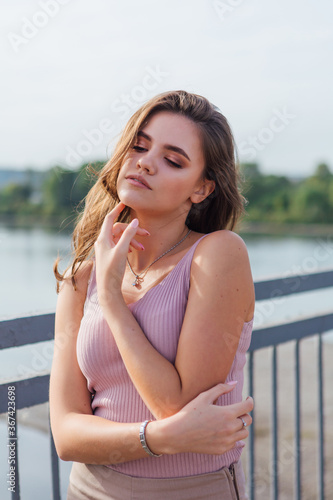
(244, 423)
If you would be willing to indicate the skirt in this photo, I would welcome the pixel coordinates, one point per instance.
(97, 482)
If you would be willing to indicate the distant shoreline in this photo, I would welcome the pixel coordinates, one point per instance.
(283, 229)
(66, 224)
(62, 223)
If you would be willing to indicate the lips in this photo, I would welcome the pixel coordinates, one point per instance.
(138, 179)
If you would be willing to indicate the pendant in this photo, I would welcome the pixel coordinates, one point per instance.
(137, 281)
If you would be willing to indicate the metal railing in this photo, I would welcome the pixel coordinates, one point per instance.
(30, 391)
(34, 391)
(273, 336)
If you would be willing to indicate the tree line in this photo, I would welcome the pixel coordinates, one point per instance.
(273, 198)
(270, 198)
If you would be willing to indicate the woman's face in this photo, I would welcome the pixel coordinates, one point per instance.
(163, 172)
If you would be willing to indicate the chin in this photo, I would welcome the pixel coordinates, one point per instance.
(129, 200)
(126, 198)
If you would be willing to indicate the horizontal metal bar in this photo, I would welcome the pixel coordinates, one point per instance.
(292, 284)
(278, 334)
(29, 392)
(28, 330)
(31, 329)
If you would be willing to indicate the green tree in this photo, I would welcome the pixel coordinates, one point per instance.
(86, 177)
(14, 198)
(313, 201)
(57, 190)
(323, 172)
(250, 171)
(268, 196)
(64, 189)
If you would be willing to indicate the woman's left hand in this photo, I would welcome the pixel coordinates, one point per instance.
(111, 249)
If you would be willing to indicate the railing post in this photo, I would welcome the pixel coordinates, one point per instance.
(55, 470)
(275, 424)
(251, 480)
(297, 424)
(321, 420)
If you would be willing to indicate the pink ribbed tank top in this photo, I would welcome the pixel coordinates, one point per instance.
(160, 314)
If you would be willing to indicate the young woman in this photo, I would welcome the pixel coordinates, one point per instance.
(155, 315)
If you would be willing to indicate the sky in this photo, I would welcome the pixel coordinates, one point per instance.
(73, 72)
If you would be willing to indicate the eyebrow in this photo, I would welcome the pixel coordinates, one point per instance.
(176, 149)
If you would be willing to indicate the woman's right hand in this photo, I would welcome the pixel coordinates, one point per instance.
(201, 426)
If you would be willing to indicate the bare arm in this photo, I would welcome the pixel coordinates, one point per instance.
(80, 436)
(221, 299)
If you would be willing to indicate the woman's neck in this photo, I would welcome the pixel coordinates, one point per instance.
(164, 234)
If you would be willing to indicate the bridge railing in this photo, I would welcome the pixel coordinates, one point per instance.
(33, 391)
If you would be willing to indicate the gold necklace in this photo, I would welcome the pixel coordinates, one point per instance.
(138, 278)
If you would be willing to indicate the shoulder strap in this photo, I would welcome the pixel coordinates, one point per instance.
(189, 257)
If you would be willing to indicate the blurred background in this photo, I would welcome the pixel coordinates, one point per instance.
(74, 71)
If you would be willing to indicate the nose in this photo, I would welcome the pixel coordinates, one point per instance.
(146, 162)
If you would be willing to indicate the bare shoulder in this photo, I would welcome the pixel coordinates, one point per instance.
(221, 263)
(221, 245)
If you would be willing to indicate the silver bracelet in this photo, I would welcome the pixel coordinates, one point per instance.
(143, 439)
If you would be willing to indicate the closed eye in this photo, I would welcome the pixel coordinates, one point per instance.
(173, 163)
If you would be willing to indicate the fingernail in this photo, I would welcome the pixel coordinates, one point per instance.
(147, 232)
(232, 382)
(135, 223)
(141, 246)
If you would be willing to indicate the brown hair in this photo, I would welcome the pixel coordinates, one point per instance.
(220, 210)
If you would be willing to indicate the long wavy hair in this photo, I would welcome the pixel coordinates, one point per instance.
(220, 210)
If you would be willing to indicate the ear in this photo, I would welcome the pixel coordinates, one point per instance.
(205, 189)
